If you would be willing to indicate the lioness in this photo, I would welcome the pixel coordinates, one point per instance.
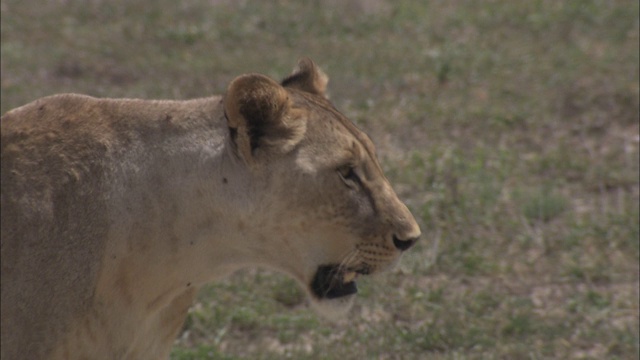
(115, 212)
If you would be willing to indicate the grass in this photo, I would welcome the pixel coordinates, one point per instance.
(509, 128)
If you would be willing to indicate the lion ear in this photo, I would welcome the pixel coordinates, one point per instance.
(307, 77)
(258, 112)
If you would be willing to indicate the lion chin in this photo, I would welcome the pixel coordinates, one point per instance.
(333, 290)
(333, 309)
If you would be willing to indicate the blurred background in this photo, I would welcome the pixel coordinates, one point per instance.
(510, 128)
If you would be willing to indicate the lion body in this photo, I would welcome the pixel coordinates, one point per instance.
(116, 211)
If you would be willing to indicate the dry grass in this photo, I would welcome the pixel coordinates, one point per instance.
(510, 128)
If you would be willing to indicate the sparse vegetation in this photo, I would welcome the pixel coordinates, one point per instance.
(509, 127)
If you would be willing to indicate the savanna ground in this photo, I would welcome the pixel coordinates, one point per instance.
(509, 127)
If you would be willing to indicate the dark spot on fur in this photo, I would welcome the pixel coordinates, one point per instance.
(234, 133)
(224, 180)
(188, 284)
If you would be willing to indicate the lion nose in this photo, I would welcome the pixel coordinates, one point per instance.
(403, 244)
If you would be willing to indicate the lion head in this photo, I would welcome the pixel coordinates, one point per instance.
(333, 213)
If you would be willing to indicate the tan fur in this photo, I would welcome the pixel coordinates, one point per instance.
(115, 211)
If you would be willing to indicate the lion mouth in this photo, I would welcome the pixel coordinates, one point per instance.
(333, 281)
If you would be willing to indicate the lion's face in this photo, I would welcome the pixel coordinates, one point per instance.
(333, 211)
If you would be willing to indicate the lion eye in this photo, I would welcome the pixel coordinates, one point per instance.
(348, 175)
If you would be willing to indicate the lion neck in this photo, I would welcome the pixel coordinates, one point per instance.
(192, 218)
